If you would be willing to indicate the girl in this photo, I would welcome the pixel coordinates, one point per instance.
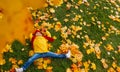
(39, 44)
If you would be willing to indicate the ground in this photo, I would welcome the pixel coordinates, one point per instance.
(92, 27)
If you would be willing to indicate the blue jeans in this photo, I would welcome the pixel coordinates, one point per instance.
(42, 55)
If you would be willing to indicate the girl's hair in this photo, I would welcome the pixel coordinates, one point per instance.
(36, 32)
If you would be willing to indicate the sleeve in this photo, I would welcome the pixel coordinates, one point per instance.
(48, 36)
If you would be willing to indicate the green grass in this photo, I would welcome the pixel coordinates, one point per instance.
(94, 31)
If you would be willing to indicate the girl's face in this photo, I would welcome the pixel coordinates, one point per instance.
(38, 34)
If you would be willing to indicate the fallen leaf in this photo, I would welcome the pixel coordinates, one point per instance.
(93, 66)
(109, 47)
(12, 60)
(55, 2)
(2, 61)
(52, 10)
(20, 62)
(58, 26)
(68, 70)
(49, 69)
(114, 65)
(31, 52)
(86, 65)
(105, 65)
(111, 70)
(15, 23)
(118, 69)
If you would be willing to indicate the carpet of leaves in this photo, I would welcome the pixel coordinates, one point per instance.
(90, 28)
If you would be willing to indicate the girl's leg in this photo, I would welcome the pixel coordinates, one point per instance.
(30, 60)
(54, 55)
(42, 55)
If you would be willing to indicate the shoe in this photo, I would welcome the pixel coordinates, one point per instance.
(68, 55)
(19, 69)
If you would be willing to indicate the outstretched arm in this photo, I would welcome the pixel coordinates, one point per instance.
(50, 39)
(48, 36)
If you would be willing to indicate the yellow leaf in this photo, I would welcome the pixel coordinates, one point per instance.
(80, 2)
(84, 46)
(68, 5)
(86, 64)
(54, 37)
(15, 66)
(114, 65)
(15, 22)
(93, 19)
(104, 63)
(20, 62)
(12, 60)
(64, 35)
(49, 69)
(68, 70)
(94, 7)
(52, 10)
(76, 54)
(93, 66)
(118, 9)
(92, 49)
(36, 25)
(66, 20)
(98, 56)
(79, 57)
(64, 48)
(109, 47)
(8, 47)
(74, 60)
(2, 61)
(103, 38)
(98, 52)
(44, 66)
(58, 26)
(49, 46)
(55, 2)
(78, 36)
(40, 67)
(88, 51)
(31, 52)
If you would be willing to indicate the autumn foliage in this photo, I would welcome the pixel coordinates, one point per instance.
(89, 28)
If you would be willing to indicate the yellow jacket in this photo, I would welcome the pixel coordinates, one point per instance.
(40, 44)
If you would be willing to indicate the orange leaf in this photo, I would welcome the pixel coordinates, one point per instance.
(12, 60)
(20, 62)
(49, 69)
